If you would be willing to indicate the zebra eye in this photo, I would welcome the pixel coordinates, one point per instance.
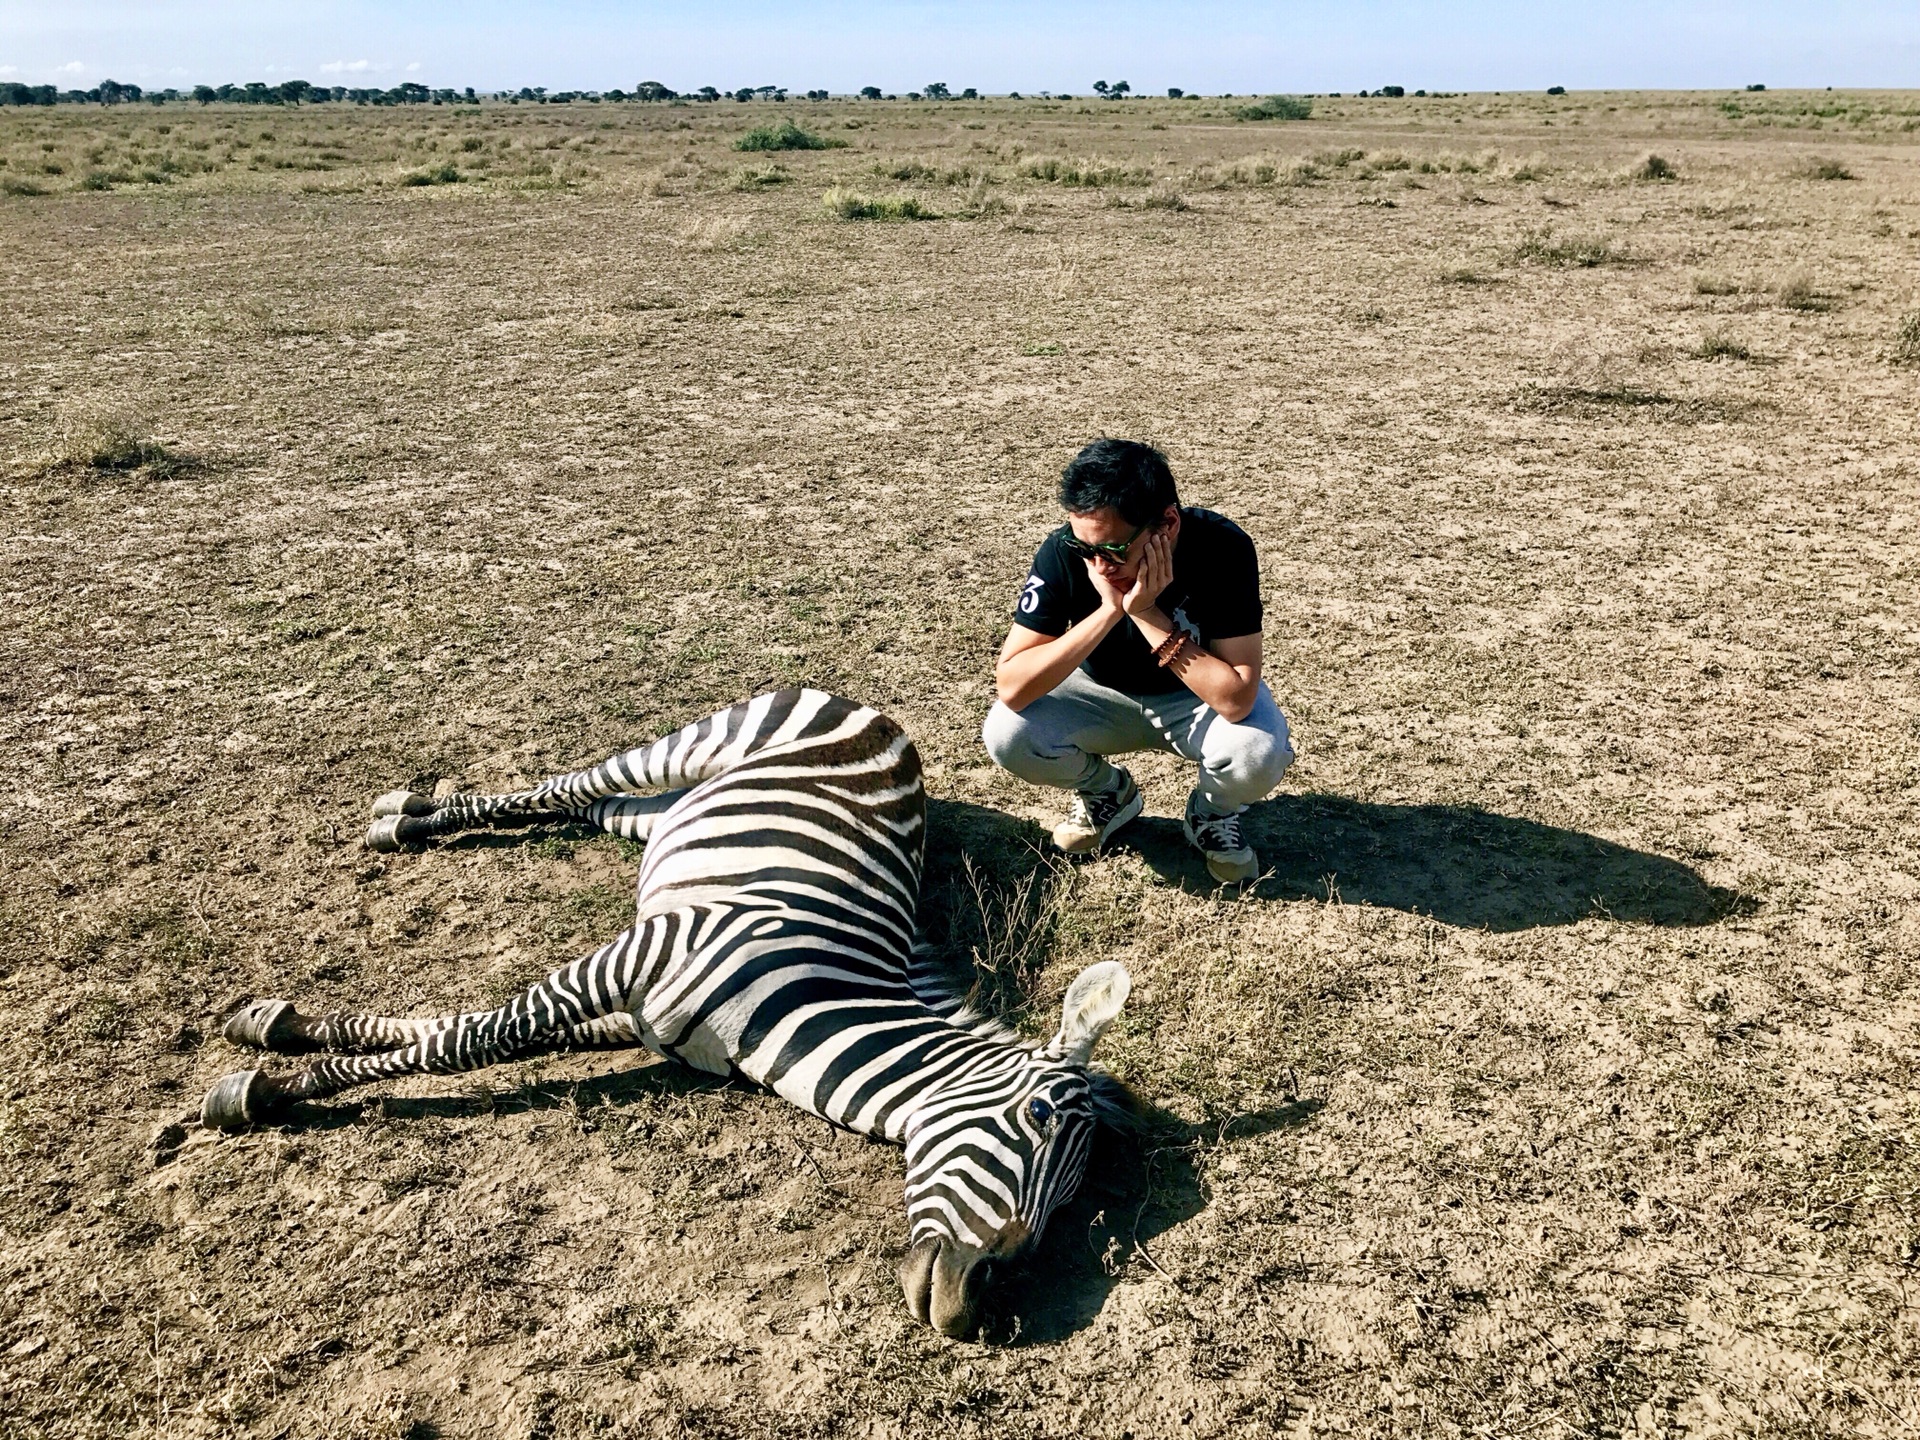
(1040, 1111)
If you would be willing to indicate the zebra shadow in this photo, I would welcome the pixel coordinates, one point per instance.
(1138, 1187)
(1456, 863)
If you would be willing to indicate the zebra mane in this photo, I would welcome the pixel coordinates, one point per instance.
(952, 992)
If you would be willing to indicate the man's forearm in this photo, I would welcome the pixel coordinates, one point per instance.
(1022, 678)
(1228, 691)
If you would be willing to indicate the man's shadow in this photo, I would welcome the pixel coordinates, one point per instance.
(1459, 864)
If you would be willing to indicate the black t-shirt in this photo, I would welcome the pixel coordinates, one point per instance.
(1214, 595)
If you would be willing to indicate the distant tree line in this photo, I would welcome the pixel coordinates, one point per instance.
(301, 92)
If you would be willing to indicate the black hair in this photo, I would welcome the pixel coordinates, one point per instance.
(1121, 475)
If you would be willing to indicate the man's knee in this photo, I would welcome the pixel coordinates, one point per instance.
(1251, 758)
(1015, 742)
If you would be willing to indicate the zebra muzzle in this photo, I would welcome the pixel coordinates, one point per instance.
(943, 1283)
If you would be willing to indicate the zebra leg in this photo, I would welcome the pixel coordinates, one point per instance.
(275, 1025)
(693, 753)
(575, 1001)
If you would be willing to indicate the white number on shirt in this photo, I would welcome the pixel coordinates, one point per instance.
(1030, 600)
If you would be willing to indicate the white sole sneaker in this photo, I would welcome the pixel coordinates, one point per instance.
(1074, 836)
(1229, 867)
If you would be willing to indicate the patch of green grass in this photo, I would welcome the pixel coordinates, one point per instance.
(1579, 251)
(1276, 107)
(852, 205)
(12, 185)
(785, 136)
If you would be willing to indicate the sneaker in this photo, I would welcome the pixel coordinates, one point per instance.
(1096, 814)
(1230, 860)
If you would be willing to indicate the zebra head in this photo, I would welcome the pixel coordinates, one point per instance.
(990, 1157)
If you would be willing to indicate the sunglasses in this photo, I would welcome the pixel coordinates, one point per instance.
(1088, 550)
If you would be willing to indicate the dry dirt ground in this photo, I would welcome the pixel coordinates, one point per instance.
(1559, 1079)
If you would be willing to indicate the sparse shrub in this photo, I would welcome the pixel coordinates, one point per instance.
(1655, 168)
(472, 143)
(1464, 276)
(1165, 197)
(1797, 292)
(852, 205)
(1581, 251)
(446, 174)
(1816, 169)
(1715, 285)
(1719, 345)
(111, 441)
(785, 136)
(12, 185)
(908, 170)
(1276, 107)
(1906, 340)
(96, 180)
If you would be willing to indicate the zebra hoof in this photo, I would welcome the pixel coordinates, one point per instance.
(255, 1025)
(233, 1103)
(396, 832)
(402, 802)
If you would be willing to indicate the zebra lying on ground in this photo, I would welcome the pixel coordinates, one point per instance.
(774, 939)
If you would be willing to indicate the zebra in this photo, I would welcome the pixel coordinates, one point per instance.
(773, 940)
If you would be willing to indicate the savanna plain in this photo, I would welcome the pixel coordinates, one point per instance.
(1558, 1078)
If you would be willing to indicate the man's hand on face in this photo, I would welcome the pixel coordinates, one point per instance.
(1111, 596)
(1156, 573)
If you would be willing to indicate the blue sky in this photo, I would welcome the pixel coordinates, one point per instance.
(1061, 45)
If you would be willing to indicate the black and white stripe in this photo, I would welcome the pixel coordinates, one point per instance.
(773, 939)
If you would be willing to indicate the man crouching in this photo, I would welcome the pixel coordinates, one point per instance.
(1139, 629)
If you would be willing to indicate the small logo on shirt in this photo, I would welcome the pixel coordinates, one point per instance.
(1030, 598)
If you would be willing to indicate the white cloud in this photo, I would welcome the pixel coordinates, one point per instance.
(414, 66)
(72, 67)
(346, 67)
(9, 69)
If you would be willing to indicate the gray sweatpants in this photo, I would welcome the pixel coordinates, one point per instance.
(1063, 738)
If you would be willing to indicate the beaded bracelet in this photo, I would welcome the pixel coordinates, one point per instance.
(1168, 650)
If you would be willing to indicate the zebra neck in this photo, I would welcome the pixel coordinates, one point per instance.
(887, 1069)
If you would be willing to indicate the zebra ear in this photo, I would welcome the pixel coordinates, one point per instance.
(1093, 1000)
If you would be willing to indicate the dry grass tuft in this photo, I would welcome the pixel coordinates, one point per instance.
(1906, 340)
(1653, 167)
(112, 441)
(1798, 292)
(1705, 284)
(1720, 345)
(1583, 252)
(1816, 168)
(852, 205)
